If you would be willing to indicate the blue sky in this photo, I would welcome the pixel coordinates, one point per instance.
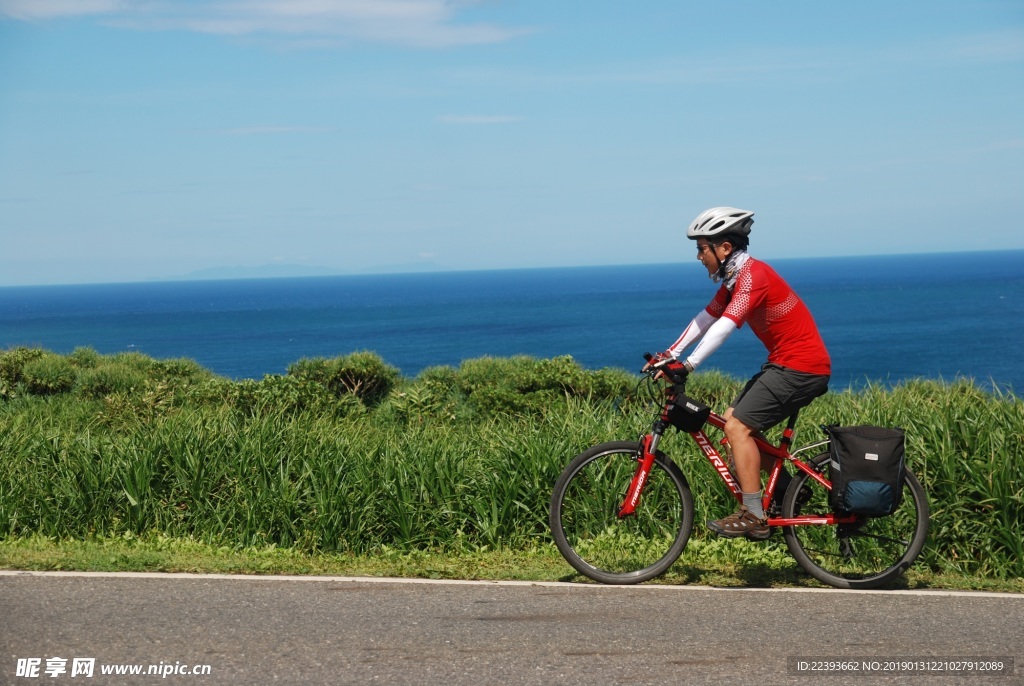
(149, 139)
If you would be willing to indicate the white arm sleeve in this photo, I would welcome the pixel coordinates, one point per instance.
(700, 324)
(715, 336)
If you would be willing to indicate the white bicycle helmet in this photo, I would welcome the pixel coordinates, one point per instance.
(720, 220)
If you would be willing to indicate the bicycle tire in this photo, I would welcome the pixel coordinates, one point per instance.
(588, 531)
(871, 553)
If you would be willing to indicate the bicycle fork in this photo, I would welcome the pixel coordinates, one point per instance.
(645, 460)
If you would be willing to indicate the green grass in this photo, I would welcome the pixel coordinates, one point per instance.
(708, 562)
(345, 465)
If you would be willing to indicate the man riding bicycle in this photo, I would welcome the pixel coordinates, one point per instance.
(798, 366)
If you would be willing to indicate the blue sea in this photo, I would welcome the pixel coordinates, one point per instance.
(884, 319)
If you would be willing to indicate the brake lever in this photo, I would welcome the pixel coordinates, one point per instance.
(677, 380)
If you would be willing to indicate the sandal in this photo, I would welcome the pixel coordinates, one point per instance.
(741, 523)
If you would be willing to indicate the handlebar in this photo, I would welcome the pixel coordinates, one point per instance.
(670, 368)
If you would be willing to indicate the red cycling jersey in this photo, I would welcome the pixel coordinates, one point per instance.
(777, 316)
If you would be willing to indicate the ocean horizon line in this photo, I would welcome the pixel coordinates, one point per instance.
(238, 273)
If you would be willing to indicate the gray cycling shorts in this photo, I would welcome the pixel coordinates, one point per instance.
(774, 394)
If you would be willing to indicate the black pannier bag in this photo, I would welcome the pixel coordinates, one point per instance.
(866, 469)
(687, 414)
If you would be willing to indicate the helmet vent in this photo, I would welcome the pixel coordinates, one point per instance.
(720, 220)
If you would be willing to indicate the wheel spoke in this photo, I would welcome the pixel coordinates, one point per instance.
(612, 549)
(870, 553)
(884, 539)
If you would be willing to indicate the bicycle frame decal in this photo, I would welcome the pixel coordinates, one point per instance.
(648, 445)
(769, 489)
(716, 461)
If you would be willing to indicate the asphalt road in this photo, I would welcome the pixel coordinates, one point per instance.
(267, 630)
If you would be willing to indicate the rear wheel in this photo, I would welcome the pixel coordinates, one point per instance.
(595, 540)
(871, 552)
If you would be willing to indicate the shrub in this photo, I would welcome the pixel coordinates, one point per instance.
(48, 375)
(137, 361)
(85, 358)
(526, 385)
(287, 395)
(110, 378)
(182, 368)
(206, 392)
(362, 374)
(434, 393)
(440, 376)
(13, 361)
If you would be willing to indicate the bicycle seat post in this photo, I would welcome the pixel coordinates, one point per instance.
(789, 432)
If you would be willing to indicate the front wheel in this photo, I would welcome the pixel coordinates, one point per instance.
(595, 540)
(871, 552)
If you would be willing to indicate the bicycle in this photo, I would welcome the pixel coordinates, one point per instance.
(622, 512)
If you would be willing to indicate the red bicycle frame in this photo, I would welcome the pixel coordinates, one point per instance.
(649, 445)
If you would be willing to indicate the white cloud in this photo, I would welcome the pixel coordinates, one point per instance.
(34, 10)
(997, 46)
(415, 23)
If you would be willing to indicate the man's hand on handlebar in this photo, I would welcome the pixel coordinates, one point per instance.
(665, 366)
